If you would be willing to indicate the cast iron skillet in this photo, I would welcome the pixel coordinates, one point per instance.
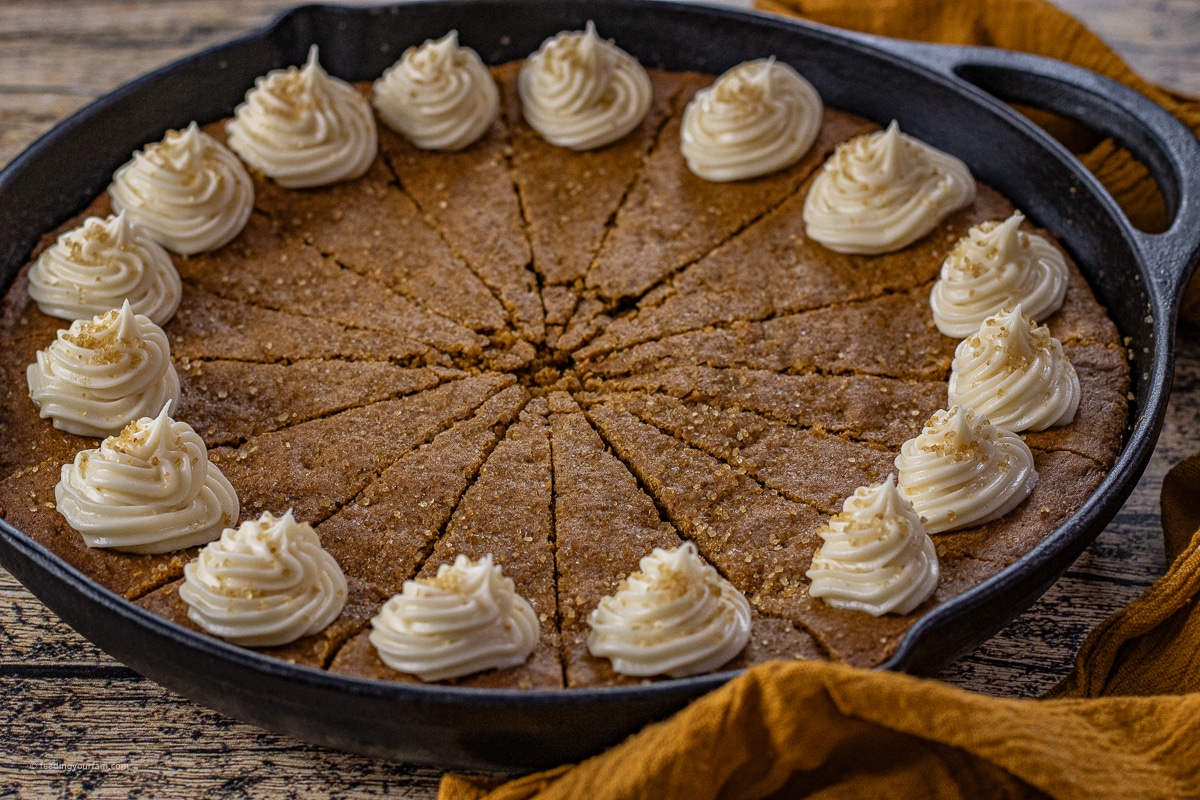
(944, 95)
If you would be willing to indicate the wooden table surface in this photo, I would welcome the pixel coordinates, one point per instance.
(74, 722)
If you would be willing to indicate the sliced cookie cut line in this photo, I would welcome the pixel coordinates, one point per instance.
(495, 248)
(772, 269)
(317, 467)
(889, 336)
(777, 455)
(388, 529)
(708, 502)
(884, 412)
(229, 401)
(622, 268)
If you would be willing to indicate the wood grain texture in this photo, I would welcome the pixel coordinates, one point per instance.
(59, 55)
(1158, 38)
(138, 738)
(74, 722)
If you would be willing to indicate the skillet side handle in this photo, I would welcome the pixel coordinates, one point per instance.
(1169, 149)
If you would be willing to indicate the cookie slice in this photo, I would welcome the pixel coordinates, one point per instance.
(568, 198)
(261, 269)
(671, 218)
(469, 195)
(387, 531)
(810, 466)
(227, 401)
(507, 513)
(316, 467)
(864, 407)
(854, 637)
(890, 336)
(316, 650)
(207, 326)
(1064, 479)
(772, 268)
(27, 503)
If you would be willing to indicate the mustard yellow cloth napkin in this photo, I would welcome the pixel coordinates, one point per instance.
(1124, 724)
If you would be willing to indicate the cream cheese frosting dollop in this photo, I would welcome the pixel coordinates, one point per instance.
(1016, 374)
(265, 583)
(187, 192)
(882, 191)
(875, 556)
(581, 92)
(149, 490)
(676, 616)
(467, 619)
(439, 95)
(101, 264)
(995, 267)
(100, 374)
(963, 471)
(304, 128)
(758, 118)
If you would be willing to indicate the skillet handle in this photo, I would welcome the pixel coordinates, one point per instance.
(1169, 150)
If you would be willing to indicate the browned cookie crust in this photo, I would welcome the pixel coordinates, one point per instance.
(564, 360)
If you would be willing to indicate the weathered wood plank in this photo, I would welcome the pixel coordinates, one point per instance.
(32, 636)
(141, 740)
(59, 20)
(26, 116)
(82, 67)
(1160, 39)
(9, 586)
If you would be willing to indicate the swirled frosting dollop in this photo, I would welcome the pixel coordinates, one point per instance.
(963, 471)
(466, 619)
(1015, 373)
(100, 374)
(439, 95)
(581, 92)
(875, 556)
(304, 128)
(263, 584)
(188, 192)
(758, 118)
(149, 490)
(882, 191)
(995, 267)
(101, 264)
(676, 616)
